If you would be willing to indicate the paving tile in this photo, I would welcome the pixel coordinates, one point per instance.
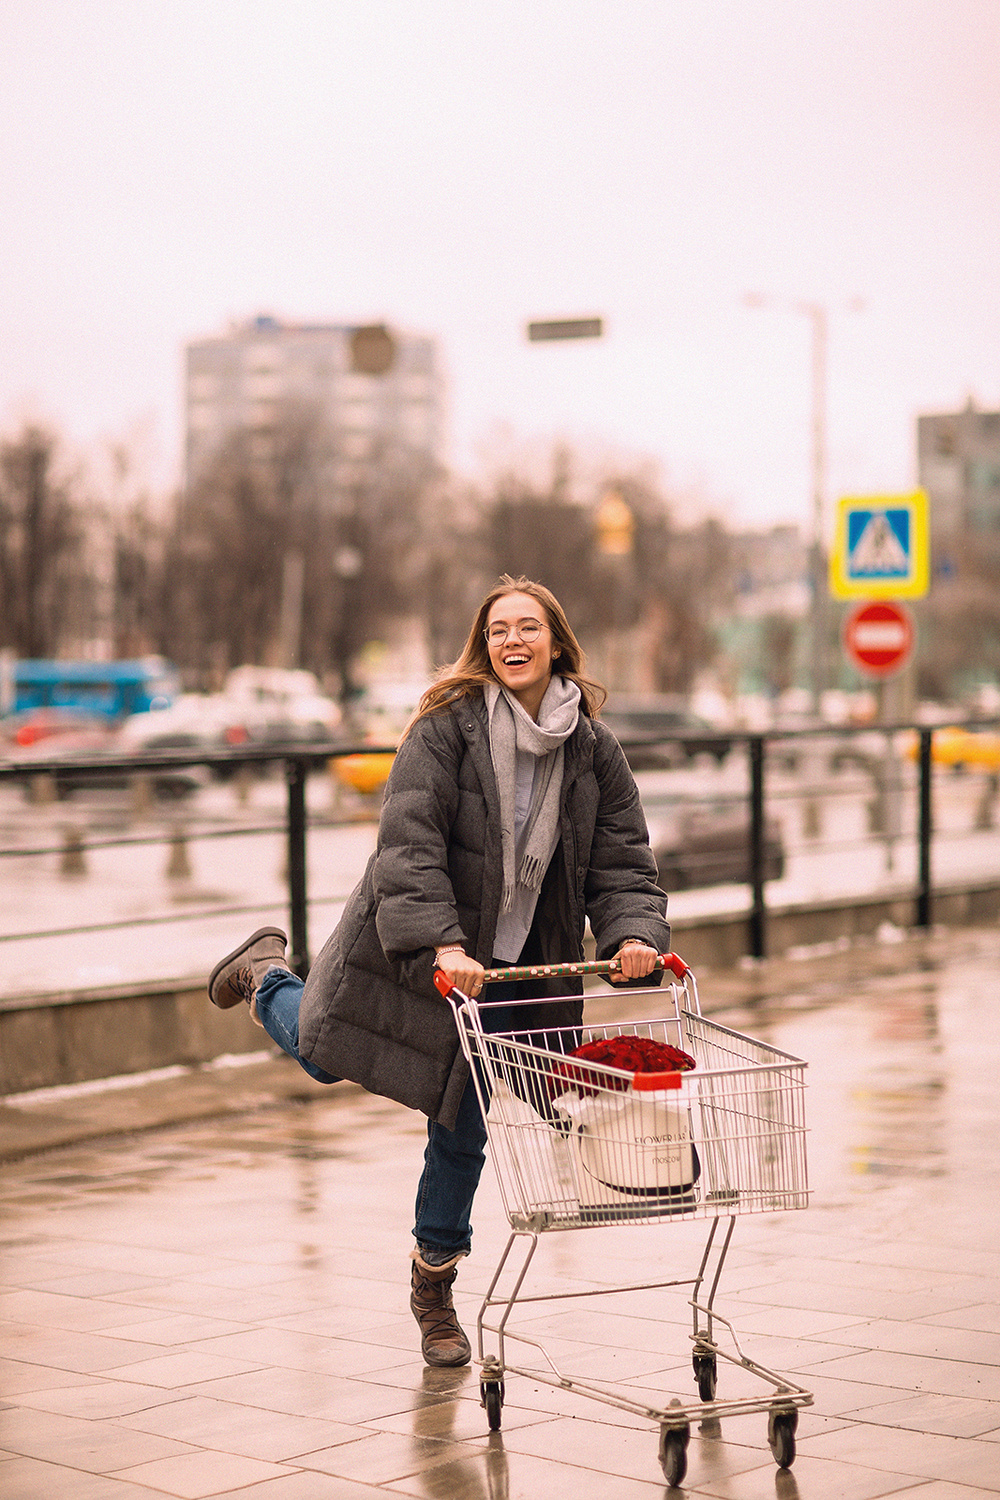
(17, 1376)
(385, 1457)
(937, 1255)
(791, 1322)
(33, 1479)
(306, 1394)
(99, 1447)
(53, 1310)
(179, 1328)
(496, 1471)
(302, 1351)
(229, 1428)
(911, 1372)
(865, 1303)
(866, 1272)
(98, 1398)
(182, 1368)
(984, 1317)
(464, 1420)
(92, 1283)
(622, 1453)
(305, 1485)
(950, 1415)
(838, 1395)
(137, 1260)
(922, 1454)
(193, 1476)
(932, 1341)
(943, 1489)
(200, 1298)
(86, 1353)
(32, 1270)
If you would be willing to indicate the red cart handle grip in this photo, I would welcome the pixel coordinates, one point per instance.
(443, 983)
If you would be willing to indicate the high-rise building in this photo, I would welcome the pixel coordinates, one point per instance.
(958, 462)
(370, 394)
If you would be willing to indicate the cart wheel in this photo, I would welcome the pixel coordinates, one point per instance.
(491, 1393)
(706, 1374)
(673, 1452)
(781, 1427)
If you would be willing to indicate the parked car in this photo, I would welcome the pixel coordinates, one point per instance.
(215, 721)
(708, 843)
(658, 732)
(73, 753)
(29, 726)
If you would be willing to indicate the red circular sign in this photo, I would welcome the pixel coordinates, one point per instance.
(878, 637)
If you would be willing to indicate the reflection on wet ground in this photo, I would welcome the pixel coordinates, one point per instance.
(220, 1308)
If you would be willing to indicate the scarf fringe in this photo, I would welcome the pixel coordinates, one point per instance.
(531, 872)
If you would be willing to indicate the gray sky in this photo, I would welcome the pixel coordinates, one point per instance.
(460, 168)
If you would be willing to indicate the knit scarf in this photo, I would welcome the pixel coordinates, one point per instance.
(512, 729)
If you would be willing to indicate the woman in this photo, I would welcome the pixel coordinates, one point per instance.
(510, 818)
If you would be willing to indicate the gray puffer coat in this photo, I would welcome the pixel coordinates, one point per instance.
(370, 1012)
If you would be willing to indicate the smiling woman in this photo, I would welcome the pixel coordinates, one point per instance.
(510, 820)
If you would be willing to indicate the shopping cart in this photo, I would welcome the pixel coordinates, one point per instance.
(579, 1144)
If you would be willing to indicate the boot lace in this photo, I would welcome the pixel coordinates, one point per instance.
(435, 1309)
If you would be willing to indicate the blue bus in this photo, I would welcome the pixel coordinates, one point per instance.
(105, 689)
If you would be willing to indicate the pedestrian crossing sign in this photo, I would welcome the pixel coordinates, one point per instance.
(880, 548)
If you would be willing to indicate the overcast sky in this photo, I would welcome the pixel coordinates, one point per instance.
(460, 168)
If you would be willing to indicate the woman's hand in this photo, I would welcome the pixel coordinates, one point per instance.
(463, 972)
(635, 960)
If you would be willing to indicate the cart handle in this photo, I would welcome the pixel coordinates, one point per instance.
(671, 961)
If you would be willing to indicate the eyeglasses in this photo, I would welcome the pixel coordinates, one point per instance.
(527, 631)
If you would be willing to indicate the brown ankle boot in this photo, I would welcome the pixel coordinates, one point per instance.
(442, 1340)
(237, 976)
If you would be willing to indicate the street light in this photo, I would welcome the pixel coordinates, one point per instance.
(818, 315)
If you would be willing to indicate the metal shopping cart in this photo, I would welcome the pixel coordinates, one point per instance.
(579, 1144)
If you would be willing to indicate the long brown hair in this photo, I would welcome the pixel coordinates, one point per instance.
(473, 669)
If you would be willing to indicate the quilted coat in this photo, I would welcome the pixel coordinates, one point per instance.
(370, 1012)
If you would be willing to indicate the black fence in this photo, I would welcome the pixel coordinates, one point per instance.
(768, 758)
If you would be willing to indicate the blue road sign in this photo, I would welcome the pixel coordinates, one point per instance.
(880, 549)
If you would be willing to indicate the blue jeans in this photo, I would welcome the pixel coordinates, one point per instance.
(278, 997)
(453, 1159)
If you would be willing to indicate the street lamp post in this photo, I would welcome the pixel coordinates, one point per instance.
(818, 315)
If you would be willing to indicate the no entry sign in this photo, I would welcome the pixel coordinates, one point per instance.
(878, 637)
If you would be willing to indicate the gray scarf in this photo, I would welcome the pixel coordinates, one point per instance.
(511, 729)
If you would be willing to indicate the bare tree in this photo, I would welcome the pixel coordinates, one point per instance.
(274, 559)
(44, 583)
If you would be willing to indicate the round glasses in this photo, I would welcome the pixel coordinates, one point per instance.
(526, 631)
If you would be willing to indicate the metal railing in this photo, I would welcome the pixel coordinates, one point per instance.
(762, 750)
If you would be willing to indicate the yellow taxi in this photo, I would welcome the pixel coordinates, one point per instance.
(364, 773)
(961, 749)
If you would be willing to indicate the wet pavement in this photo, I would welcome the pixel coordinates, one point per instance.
(218, 1306)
